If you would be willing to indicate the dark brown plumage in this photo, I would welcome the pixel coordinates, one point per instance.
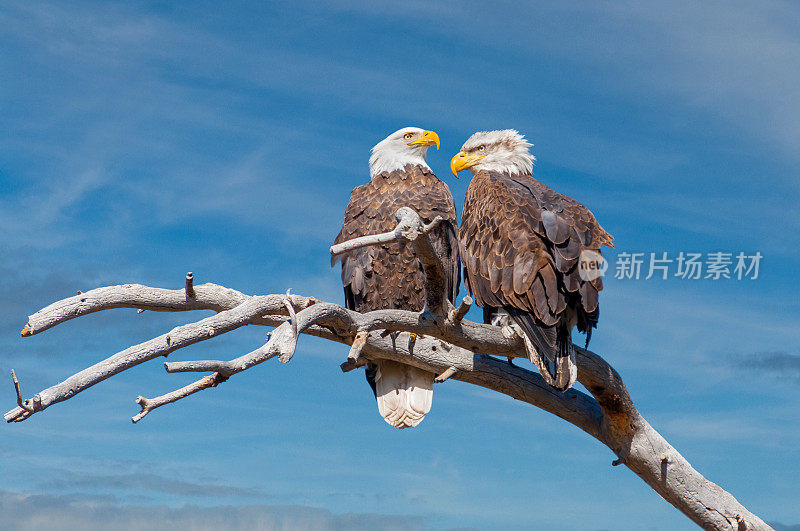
(520, 243)
(388, 276)
(391, 276)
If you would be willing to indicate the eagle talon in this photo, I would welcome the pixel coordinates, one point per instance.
(412, 340)
(509, 332)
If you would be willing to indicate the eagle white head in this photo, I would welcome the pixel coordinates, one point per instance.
(504, 151)
(408, 145)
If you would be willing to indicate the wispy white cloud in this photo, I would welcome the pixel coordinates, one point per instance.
(122, 118)
(148, 483)
(774, 430)
(23, 511)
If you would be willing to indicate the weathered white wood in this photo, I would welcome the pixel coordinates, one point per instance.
(358, 343)
(149, 404)
(445, 344)
(409, 223)
(189, 285)
(457, 314)
(448, 372)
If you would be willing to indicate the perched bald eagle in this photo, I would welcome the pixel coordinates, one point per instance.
(523, 247)
(389, 276)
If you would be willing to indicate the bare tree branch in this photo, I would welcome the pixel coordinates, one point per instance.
(149, 404)
(226, 320)
(405, 228)
(222, 371)
(441, 342)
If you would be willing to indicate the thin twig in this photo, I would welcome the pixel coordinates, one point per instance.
(358, 343)
(457, 314)
(23, 404)
(292, 314)
(450, 371)
(377, 239)
(149, 404)
(350, 365)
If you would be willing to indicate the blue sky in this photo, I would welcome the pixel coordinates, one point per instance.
(140, 142)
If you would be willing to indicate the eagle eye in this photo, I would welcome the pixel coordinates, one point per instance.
(482, 148)
(408, 136)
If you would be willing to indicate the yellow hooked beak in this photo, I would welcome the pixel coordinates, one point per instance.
(462, 161)
(428, 138)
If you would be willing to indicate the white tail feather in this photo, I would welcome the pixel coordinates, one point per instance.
(404, 393)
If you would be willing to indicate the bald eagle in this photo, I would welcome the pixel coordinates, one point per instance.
(389, 276)
(524, 248)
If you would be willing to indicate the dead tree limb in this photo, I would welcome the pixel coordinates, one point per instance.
(446, 344)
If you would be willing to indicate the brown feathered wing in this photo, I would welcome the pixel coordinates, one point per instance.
(521, 243)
